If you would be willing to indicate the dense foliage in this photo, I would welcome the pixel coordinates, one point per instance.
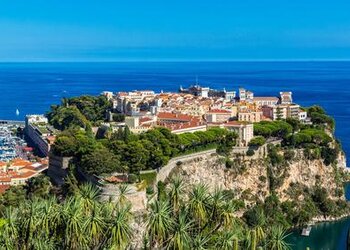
(78, 111)
(315, 138)
(201, 220)
(126, 151)
(268, 129)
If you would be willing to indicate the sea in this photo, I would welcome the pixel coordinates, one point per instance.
(33, 87)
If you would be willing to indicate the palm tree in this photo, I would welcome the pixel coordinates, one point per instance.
(198, 203)
(160, 221)
(120, 231)
(277, 239)
(176, 189)
(181, 238)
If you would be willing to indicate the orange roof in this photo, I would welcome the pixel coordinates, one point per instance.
(234, 123)
(3, 188)
(175, 116)
(220, 111)
(3, 164)
(262, 98)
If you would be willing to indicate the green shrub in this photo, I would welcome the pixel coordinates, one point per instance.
(149, 190)
(250, 152)
(257, 141)
(133, 178)
(149, 176)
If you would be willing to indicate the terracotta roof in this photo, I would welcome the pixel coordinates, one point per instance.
(174, 116)
(234, 123)
(3, 188)
(265, 98)
(219, 111)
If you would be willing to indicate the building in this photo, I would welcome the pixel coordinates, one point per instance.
(19, 171)
(39, 133)
(218, 115)
(245, 131)
(250, 116)
(281, 111)
(242, 94)
(107, 94)
(196, 90)
(180, 123)
(265, 101)
(293, 111)
(286, 97)
(229, 95)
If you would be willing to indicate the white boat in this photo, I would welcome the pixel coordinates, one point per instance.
(17, 112)
(306, 231)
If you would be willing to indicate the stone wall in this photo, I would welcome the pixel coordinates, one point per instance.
(58, 168)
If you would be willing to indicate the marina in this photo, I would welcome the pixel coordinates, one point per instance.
(11, 146)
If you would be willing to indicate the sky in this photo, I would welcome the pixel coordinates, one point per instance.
(181, 30)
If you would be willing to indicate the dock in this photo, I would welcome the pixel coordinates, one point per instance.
(306, 231)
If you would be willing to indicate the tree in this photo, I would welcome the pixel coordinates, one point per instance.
(257, 141)
(39, 186)
(101, 161)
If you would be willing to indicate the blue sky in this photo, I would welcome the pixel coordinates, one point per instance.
(105, 30)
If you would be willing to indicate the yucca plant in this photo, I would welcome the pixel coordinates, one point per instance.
(181, 238)
(277, 239)
(199, 203)
(119, 231)
(175, 191)
(160, 222)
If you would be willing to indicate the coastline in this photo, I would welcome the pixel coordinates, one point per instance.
(322, 219)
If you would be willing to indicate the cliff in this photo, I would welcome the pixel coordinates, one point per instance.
(250, 177)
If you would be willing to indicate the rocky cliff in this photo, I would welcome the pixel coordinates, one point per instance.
(250, 178)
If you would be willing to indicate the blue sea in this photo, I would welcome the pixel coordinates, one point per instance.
(33, 87)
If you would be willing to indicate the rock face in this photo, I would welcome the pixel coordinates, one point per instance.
(247, 177)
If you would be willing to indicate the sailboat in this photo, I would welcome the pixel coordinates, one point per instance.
(17, 112)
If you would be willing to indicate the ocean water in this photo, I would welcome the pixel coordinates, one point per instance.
(33, 87)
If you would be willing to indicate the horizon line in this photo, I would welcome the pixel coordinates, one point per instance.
(177, 60)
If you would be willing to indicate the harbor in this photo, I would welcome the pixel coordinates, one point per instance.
(11, 145)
